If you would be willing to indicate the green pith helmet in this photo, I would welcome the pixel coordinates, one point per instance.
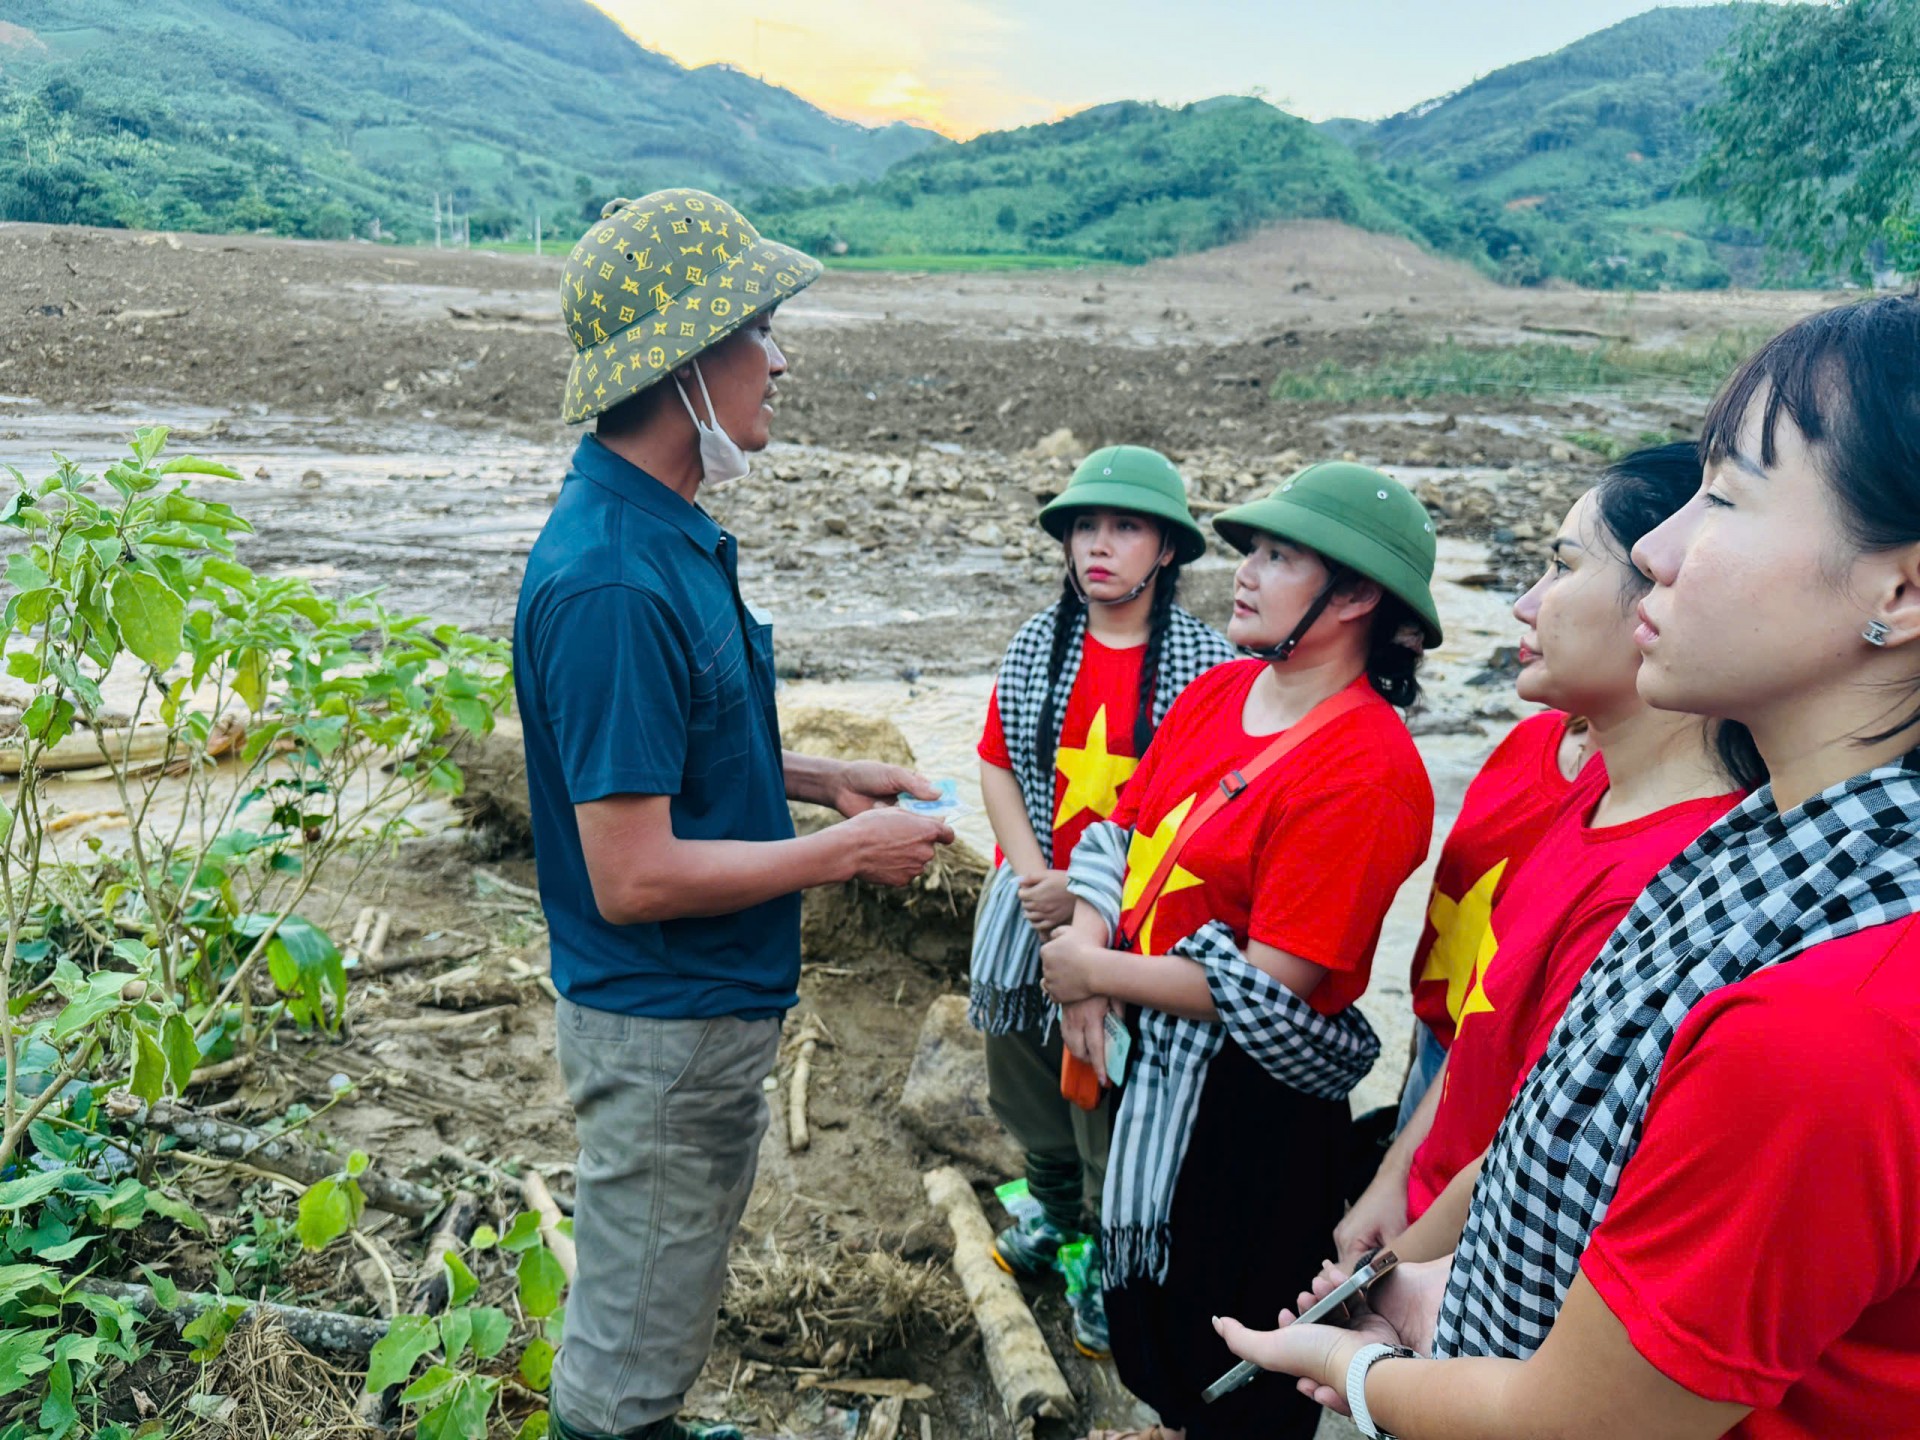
(658, 280)
(1129, 477)
(1355, 517)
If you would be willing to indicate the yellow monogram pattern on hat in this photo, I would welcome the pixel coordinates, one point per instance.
(658, 280)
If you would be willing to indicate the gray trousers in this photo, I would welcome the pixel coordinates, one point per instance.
(1066, 1146)
(670, 1115)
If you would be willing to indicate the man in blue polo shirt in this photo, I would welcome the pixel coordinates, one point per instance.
(669, 869)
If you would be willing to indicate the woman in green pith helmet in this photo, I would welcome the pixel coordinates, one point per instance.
(1080, 691)
(1230, 907)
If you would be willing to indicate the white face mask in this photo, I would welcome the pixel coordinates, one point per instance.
(721, 460)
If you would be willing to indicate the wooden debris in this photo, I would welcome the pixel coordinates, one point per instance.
(453, 1021)
(429, 1294)
(377, 941)
(81, 817)
(507, 887)
(281, 1153)
(884, 1422)
(220, 1070)
(448, 947)
(466, 988)
(81, 750)
(385, 1294)
(877, 1388)
(316, 1329)
(533, 1189)
(797, 1137)
(1023, 1369)
(357, 940)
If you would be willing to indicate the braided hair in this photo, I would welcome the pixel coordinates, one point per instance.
(1160, 620)
(1166, 587)
(1047, 738)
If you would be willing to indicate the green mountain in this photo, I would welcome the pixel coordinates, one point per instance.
(1119, 182)
(1565, 166)
(1580, 154)
(323, 119)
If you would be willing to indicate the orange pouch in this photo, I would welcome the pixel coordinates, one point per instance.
(1078, 1081)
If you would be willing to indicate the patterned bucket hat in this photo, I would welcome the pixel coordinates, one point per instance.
(657, 281)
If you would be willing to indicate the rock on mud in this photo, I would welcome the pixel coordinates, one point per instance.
(856, 924)
(945, 1098)
(843, 734)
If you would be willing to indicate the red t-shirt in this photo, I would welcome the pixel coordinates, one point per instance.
(1308, 860)
(1095, 755)
(1507, 808)
(1567, 898)
(1764, 1245)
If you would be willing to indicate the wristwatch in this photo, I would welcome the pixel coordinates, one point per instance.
(1364, 1360)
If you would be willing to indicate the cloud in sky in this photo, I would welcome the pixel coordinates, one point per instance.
(940, 64)
(969, 65)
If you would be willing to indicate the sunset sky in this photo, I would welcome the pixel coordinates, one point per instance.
(964, 66)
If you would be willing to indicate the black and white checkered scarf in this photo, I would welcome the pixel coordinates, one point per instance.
(1321, 1055)
(1005, 992)
(1756, 889)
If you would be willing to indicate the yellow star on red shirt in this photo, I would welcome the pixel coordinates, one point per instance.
(1094, 774)
(1143, 858)
(1463, 944)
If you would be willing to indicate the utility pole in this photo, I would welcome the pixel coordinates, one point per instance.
(536, 231)
(436, 219)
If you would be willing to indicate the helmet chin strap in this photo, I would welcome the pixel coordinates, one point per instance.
(1073, 579)
(1284, 650)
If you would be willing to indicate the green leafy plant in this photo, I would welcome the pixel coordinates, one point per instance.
(332, 1206)
(454, 1395)
(261, 734)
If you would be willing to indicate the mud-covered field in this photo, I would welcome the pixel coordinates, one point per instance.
(395, 412)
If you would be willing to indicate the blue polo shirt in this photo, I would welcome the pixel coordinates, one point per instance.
(639, 671)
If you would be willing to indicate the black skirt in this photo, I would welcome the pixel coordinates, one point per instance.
(1259, 1193)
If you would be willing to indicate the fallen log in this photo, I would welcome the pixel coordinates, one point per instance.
(131, 750)
(533, 1189)
(1023, 1369)
(304, 1163)
(316, 1329)
(81, 750)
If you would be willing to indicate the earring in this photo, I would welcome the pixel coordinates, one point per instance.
(1876, 632)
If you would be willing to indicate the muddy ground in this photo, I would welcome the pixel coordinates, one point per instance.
(395, 414)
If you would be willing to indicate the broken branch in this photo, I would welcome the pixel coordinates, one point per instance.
(1023, 1369)
(533, 1189)
(288, 1156)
